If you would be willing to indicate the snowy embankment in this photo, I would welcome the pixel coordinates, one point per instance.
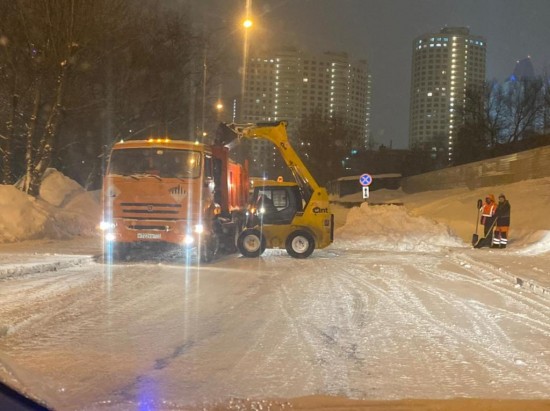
(456, 209)
(393, 228)
(62, 210)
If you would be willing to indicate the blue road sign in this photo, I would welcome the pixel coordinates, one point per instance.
(365, 180)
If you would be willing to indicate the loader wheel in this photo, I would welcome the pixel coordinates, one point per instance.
(300, 244)
(251, 243)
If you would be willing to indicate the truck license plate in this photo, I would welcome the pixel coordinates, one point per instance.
(149, 236)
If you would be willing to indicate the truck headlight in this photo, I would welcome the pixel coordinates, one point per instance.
(188, 240)
(199, 229)
(106, 225)
(110, 237)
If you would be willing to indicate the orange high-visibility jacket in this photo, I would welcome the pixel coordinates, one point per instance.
(488, 209)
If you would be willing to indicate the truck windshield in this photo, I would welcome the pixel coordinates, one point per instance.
(159, 162)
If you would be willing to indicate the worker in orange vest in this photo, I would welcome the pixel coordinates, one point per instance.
(487, 210)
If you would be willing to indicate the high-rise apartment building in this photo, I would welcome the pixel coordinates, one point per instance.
(290, 84)
(444, 66)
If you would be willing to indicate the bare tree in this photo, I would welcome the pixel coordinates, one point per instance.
(480, 124)
(77, 75)
(324, 144)
(523, 102)
(43, 43)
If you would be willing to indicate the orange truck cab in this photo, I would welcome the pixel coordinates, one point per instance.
(173, 192)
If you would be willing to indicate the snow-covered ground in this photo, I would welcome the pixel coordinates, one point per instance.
(349, 322)
(400, 306)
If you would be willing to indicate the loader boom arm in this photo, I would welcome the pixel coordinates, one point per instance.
(276, 133)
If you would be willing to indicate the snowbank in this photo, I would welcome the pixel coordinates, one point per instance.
(62, 210)
(21, 216)
(57, 188)
(393, 228)
(534, 243)
(457, 209)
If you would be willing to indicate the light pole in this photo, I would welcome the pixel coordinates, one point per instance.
(247, 24)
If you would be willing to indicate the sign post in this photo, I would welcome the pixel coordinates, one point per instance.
(365, 180)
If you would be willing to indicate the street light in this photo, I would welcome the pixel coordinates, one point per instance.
(219, 110)
(247, 23)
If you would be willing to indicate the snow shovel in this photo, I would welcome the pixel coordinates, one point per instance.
(475, 237)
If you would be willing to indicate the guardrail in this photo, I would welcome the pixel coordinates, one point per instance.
(507, 169)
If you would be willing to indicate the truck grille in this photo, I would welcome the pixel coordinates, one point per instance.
(150, 208)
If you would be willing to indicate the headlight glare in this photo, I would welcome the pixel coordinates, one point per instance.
(106, 225)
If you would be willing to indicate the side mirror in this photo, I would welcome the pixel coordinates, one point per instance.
(479, 203)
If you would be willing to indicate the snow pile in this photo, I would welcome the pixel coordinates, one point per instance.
(534, 243)
(56, 188)
(457, 209)
(62, 210)
(21, 216)
(393, 228)
(530, 201)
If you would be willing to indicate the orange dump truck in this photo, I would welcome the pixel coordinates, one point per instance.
(173, 192)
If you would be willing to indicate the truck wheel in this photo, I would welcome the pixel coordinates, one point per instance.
(251, 243)
(300, 244)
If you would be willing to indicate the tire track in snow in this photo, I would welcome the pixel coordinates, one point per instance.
(409, 304)
(483, 279)
(29, 300)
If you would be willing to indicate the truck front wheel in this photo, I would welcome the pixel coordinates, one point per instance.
(300, 244)
(251, 243)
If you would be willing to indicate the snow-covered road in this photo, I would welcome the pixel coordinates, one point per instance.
(361, 324)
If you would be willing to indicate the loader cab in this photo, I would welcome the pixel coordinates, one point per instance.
(274, 203)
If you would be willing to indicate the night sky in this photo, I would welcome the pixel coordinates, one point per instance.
(382, 31)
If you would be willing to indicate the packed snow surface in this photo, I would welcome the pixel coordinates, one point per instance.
(357, 323)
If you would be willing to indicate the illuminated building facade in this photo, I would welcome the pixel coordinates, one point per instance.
(444, 66)
(289, 84)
